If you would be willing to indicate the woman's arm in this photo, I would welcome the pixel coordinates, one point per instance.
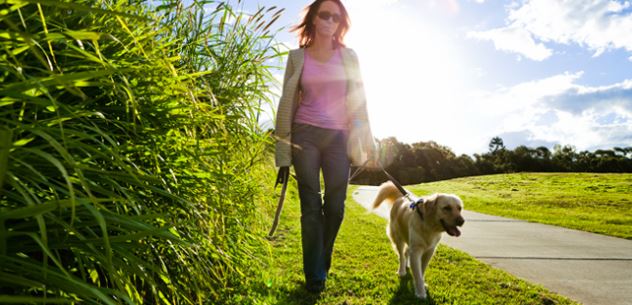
(283, 153)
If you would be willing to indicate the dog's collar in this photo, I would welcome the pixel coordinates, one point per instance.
(415, 206)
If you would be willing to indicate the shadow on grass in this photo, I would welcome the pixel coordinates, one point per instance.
(298, 295)
(405, 293)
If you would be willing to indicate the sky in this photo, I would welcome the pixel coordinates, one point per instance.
(459, 72)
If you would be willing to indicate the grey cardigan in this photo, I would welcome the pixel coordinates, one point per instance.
(360, 145)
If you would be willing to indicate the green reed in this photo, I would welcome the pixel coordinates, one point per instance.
(129, 150)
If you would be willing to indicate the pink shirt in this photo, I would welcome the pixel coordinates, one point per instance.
(324, 93)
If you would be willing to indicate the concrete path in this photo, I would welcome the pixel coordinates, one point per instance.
(586, 267)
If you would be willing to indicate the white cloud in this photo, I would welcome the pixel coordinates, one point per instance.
(579, 98)
(598, 25)
(514, 39)
(594, 128)
(523, 96)
(557, 110)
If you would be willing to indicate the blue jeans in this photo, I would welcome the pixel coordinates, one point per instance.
(314, 149)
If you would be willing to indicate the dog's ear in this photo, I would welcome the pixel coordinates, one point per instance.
(431, 202)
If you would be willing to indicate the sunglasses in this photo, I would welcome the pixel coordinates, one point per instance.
(325, 15)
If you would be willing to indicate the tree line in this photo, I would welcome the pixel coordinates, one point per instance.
(430, 161)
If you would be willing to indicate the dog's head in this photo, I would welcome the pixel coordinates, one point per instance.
(446, 209)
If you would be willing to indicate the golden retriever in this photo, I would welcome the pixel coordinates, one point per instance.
(415, 232)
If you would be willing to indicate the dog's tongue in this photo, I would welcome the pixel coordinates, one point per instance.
(454, 231)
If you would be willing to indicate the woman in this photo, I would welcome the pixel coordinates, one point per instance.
(322, 124)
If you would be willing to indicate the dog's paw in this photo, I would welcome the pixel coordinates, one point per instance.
(422, 295)
(422, 292)
(402, 273)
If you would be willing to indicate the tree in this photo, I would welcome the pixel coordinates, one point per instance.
(496, 144)
(564, 157)
(543, 153)
(619, 150)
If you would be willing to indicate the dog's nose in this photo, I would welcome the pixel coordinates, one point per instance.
(460, 221)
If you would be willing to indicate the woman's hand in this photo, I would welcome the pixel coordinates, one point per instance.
(282, 175)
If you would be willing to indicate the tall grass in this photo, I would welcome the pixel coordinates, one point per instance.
(129, 150)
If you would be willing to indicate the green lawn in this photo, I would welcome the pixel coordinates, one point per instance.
(600, 203)
(364, 270)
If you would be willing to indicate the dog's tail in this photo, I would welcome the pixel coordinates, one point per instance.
(388, 193)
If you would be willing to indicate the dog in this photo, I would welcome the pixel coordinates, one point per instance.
(415, 230)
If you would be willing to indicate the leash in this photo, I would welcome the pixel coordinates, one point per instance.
(282, 177)
(414, 204)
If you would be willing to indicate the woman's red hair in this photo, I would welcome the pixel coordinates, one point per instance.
(306, 31)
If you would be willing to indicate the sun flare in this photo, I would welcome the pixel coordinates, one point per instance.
(410, 70)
